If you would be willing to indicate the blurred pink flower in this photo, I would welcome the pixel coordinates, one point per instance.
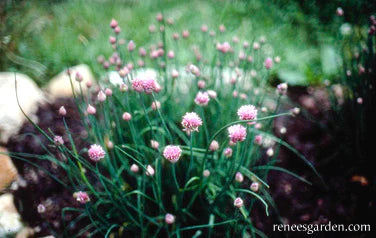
(202, 98)
(214, 145)
(96, 152)
(82, 197)
(237, 133)
(191, 121)
(169, 219)
(238, 202)
(172, 153)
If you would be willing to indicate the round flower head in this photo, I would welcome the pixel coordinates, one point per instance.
(194, 70)
(255, 186)
(282, 88)
(82, 197)
(101, 96)
(131, 46)
(127, 116)
(206, 173)
(212, 94)
(91, 110)
(270, 152)
(135, 168)
(58, 140)
(108, 92)
(171, 54)
(172, 153)
(174, 73)
(228, 152)
(79, 77)
(41, 209)
(96, 152)
(169, 218)
(239, 177)
(202, 98)
(113, 23)
(237, 133)
(268, 63)
(62, 111)
(214, 145)
(258, 139)
(154, 144)
(247, 112)
(155, 105)
(238, 202)
(137, 85)
(339, 12)
(191, 121)
(148, 85)
(149, 171)
(359, 100)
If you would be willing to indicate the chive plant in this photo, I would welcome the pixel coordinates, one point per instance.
(176, 154)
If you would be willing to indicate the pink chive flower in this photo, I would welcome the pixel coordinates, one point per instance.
(359, 100)
(258, 139)
(228, 152)
(79, 77)
(62, 111)
(154, 144)
(247, 112)
(135, 168)
(191, 121)
(171, 54)
(112, 40)
(123, 87)
(212, 94)
(204, 28)
(174, 73)
(339, 12)
(149, 171)
(91, 110)
(137, 85)
(142, 52)
(194, 70)
(96, 152)
(126, 116)
(256, 46)
(268, 63)
(169, 219)
(172, 153)
(89, 83)
(239, 177)
(201, 84)
(113, 23)
(282, 88)
(101, 96)
(185, 34)
(159, 17)
(131, 46)
(238, 202)
(117, 30)
(58, 140)
(108, 92)
(202, 98)
(155, 105)
(149, 85)
(255, 186)
(82, 197)
(206, 173)
(237, 133)
(222, 28)
(214, 145)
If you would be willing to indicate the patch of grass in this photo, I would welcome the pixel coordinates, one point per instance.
(63, 33)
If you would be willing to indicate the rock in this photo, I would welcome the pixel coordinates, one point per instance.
(11, 117)
(8, 172)
(25, 233)
(60, 85)
(10, 220)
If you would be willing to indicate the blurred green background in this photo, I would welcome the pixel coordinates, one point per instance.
(41, 38)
